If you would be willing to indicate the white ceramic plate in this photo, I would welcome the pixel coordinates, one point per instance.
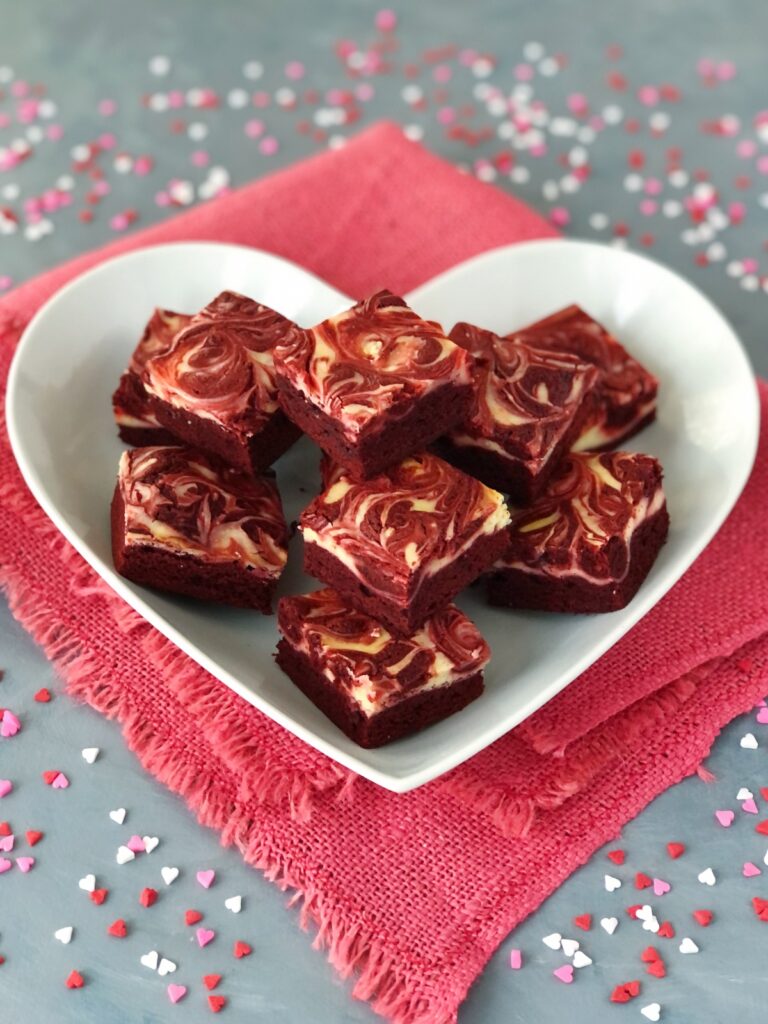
(61, 428)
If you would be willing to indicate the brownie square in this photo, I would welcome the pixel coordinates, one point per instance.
(183, 522)
(626, 392)
(374, 686)
(215, 387)
(528, 408)
(589, 541)
(403, 544)
(136, 423)
(373, 384)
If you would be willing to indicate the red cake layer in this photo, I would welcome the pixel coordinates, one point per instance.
(374, 686)
(215, 387)
(401, 545)
(589, 541)
(136, 422)
(374, 383)
(184, 523)
(529, 406)
(626, 392)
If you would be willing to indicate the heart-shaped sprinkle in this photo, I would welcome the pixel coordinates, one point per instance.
(657, 969)
(192, 917)
(64, 934)
(5, 787)
(749, 806)
(9, 724)
(725, 818)
(666, 931)
(49, 776)
(632, 911)
(688, 946)
(762, 827)
(90, 754)
(217, 1003)
(176, 992)
(33, 836)
(75, 980)
(762, 716)
(609, 924)
(98, 896)
(564, 973)
(617, 856)
(169, 875)
(60, 782)
(748, 741)
(5, 828)
(5, 865)
(234, 903)
(660, 887)
(118, 929)
(204, 936)
(703, 917)
(43, 696)
(623, 993)
(124, 854)
(553, 940)
(147, 897)
(642, 881)
(88, 883)
(515, 959)
(241, 949)
(150, 843)
(761, 907)
(212, 980)
(6, 843)
(611, 883)
(580, 959)
(650, 954)
(583, 921)
(652, 1011)
(136, 843)
(206, 878)
(569, 946)
(25, 864)
(165, 967)
(749, 870)
(707, 877)
(150, 960)
(118, 815)
(745, 794)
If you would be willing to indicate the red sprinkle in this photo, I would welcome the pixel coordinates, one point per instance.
(5, 828)
(703, 917)
(632, 911)
(657, 968)
(217, 1003)
(33, 836)
(211, 980)
(192, 916)
(75, 980)
(666, 931)
(49, 776)
(147, 897)
(649, 954)
(43, 696)
(623, 993)
(675, 850)
(642, 881)
(617, 856)
(118, 929)
(241, 949)
(99, 896)
(761, 907)
(583, 921)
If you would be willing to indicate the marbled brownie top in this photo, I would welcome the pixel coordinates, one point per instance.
(359, 364)
(405, 524)
(583, 523)
(525, 397)
(130, 403)
(181, 500)
(355, 652)
(221, 365)
(627, 391)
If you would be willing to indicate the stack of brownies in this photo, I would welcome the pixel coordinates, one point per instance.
(423, 435)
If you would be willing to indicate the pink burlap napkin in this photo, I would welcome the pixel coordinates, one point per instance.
(415, 919)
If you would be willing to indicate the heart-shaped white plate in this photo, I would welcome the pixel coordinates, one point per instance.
(63, 436)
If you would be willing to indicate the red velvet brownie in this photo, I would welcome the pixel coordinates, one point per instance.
(403, 544)
(136, 422)
(215, 387)
(528, 408)
(185, 523)
(589, 541)
(374, 383)
(374, 686)
(626, 391)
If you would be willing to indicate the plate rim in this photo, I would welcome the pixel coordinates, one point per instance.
(421, 775)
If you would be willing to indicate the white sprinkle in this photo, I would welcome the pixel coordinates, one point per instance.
(750, 283)
(158, 102)
(688, 946)
(285, 96)
(612, 114)
(11, 192)
(169, 875)
(234, 903)
(533, 51)
(414, 132)
(707, 877)
(412, 93)
(124, 855)
(548, 67)
(64, 934)
(612, 883)
(160, 65)
(197, 131)
(598, 221)
(238, 98)
(659, 120)
(253, 70)
(679, 178)
(609, 924)
(671, 208)
(90, 754)
(550, 191)
(553, 940)
(748, 741)
(118, 816)
(633, 183)
(482, 67)
(520, 175)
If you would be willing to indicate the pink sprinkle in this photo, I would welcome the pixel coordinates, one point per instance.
(5, 282)
(6, 786)
(176, 992)
(577, 103)
(20, 89)
(101, 187)
(162, 199)
(762, 714)
(136, 843)
(254, 128)
(749, 870)
(119, 222)
(54, 132)
(660, 887)
(737, 212)
(107, 107)
(6, 843)
(269, 145)
(364, 92)
(746, 148)
(564, 973)
(446, 115)
(294, 70)
(261, 99)
(648, 207)
(515, 959)
(559, 216)
(442, 73)
(143, 165)
(467, 57)
(108, 140)
(749, 806)
(706, 67)
(762, 164)
(200, 158)
(176, 99)
(25, 864)
(653, 187)
(648, 95)
(5, 865)
(204, 936)
(540, 149)
(4, 120)
(60, 782)
(523, 72)
(725, 71)
(206, 878)
(386, 20)
(26, 112)
(725, 818)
